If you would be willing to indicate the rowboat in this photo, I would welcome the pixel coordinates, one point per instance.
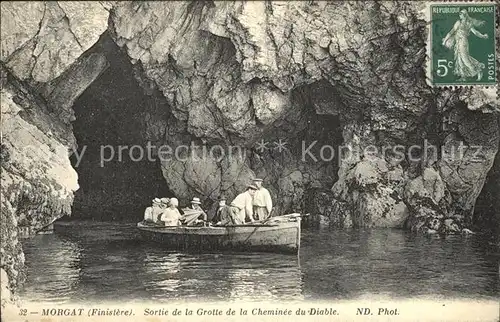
(277, 235)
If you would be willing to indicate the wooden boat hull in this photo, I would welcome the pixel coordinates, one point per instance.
(283, 237)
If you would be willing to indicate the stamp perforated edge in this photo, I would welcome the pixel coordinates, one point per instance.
(426, 15)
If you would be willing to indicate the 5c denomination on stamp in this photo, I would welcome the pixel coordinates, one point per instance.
(461, 44)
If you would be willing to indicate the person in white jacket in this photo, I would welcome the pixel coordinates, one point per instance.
(262, 201)
(171, 216)
(241, 208)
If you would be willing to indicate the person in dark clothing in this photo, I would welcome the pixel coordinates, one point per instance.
(220, 208)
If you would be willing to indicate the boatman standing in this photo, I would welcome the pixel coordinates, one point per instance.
(262, 202)
(241, 207)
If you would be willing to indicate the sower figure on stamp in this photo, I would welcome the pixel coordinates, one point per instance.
(457, 39)
(262, 201)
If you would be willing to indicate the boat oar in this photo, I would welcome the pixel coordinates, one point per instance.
(294, 215)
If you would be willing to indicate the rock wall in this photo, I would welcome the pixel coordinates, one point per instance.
(487, 215)
(37, 178)
(40, 40)
(215, 62)
(43, 69)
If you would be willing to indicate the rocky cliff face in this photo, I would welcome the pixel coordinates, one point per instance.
(43, 69)
(237, 80)
(41, 40)
(486, 216)
(229, 72)
(37, 178)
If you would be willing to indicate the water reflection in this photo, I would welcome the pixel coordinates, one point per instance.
(396, 264)
(219, 276)
(162, 268)
(274, 277)
(108, 262)
(56, 275)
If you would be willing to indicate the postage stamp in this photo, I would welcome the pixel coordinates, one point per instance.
(462, 44)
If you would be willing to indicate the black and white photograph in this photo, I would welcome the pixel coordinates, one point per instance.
(250, 160)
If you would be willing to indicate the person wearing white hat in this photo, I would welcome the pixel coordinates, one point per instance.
(149, 212)
(262, 202)
(160, 206)
(195, 204)
(171, 216)
(165, 202)
(192, 218)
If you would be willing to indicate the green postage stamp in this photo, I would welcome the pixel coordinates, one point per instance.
(461, 44)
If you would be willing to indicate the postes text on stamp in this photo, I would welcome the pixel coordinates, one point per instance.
(462, 44)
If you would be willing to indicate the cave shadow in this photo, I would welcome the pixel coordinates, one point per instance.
(117, 177)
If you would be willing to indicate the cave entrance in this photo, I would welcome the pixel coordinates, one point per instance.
(110, 115)
(308, 168)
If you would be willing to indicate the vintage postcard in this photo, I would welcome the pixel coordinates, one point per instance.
(249, 161)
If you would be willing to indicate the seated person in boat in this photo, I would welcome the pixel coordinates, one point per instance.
(194, 215)
(171, 216)
(262, 202)
(216, 214)
(148, 214)
(240, 208)
(164, 202)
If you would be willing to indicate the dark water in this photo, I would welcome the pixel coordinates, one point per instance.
(103, 261)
